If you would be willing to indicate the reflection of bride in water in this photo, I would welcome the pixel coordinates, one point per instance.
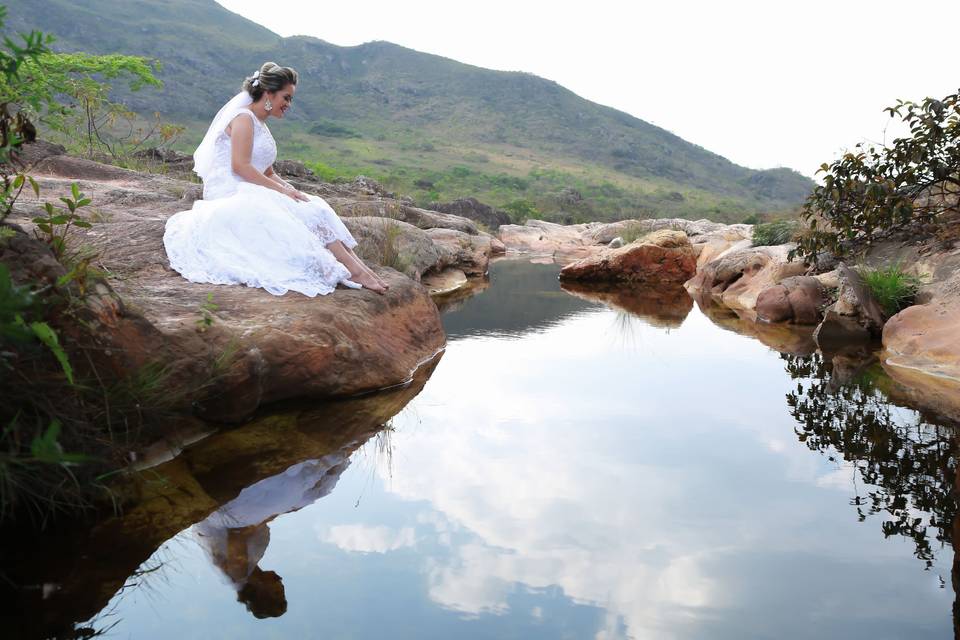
(236, 535)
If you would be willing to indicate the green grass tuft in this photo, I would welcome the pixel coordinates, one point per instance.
(773, 233)
(893, 289)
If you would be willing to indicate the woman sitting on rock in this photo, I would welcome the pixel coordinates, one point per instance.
(252, 227)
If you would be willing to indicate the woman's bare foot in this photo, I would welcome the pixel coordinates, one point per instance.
(369, 271)
(369, 282)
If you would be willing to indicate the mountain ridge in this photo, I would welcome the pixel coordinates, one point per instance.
(399, 113)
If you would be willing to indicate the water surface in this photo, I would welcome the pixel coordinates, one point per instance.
(576, 466)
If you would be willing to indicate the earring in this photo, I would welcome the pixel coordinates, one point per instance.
(268, 105)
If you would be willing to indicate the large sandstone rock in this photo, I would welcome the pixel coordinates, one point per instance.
(572, 242)
(395, 244)
(541, 238)
(259, 348)
(798, 299)
(475, 210)
(469, 253)
(737, 278)
(854, 317)
(926, 337)
(352, 206)
(663, 257)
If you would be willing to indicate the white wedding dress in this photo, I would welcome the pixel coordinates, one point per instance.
(243, 233)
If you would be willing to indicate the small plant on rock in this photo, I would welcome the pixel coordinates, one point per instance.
(769, 234)
(205, 321)
(892, 288)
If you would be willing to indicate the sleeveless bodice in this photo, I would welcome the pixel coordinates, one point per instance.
(222, 181)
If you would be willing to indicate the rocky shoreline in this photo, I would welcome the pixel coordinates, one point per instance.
(226, 350)
(919, 346)
(258, 349)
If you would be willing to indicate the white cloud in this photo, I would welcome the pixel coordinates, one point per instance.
(367, 539)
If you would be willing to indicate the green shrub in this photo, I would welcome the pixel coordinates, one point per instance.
(773, 233)
(633, 232)
(873, 190)
(894, 289)
(522, 210)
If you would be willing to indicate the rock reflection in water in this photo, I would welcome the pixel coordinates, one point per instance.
(232, 484)
(784, 338)
(665, 308)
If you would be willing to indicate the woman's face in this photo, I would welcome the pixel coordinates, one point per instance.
(282, 100)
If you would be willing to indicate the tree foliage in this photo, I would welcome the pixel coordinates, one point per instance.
(874, 190)
(70, 94)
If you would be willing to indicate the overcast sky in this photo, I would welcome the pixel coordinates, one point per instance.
(765, 84)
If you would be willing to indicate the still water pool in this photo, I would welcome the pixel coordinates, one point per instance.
(571, 469)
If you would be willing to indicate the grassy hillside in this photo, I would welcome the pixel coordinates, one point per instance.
(424, 125)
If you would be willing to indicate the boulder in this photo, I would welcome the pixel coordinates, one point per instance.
(797, 299)
(854, 317)
(469, 253)
(736, 278)
(603, 233)
(926, 338)
(394, 244)
(443, 283)
(353, 207)
(662, 257)
(541, 238)
(475, 210)
(258, 348)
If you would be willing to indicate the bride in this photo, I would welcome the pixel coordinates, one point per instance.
(252, 227)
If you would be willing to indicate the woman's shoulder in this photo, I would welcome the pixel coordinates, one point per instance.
(243, 112)
(241, 116)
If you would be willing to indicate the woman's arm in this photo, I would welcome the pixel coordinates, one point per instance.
(241, 150)
(270, 173)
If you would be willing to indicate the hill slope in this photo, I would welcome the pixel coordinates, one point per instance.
(422, 123)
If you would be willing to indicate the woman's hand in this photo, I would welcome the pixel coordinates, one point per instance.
(296, 195)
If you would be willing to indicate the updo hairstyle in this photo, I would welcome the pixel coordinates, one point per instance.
(270, 78)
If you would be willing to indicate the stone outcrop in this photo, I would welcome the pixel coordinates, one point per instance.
(541, 238)
(854, 317)
(475, 210)
(737, 278)
(396, 244)
(662, 258)
(573, 242)
(925, 337)
(797, 299)
(469, 253)
(258, 348)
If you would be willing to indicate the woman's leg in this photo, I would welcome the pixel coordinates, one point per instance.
(366, 268)
(358, 271)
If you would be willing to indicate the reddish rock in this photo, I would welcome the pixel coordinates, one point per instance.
(798, 299)
(737, 277)
(661, 257)
(926, 337)
(259, 348)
